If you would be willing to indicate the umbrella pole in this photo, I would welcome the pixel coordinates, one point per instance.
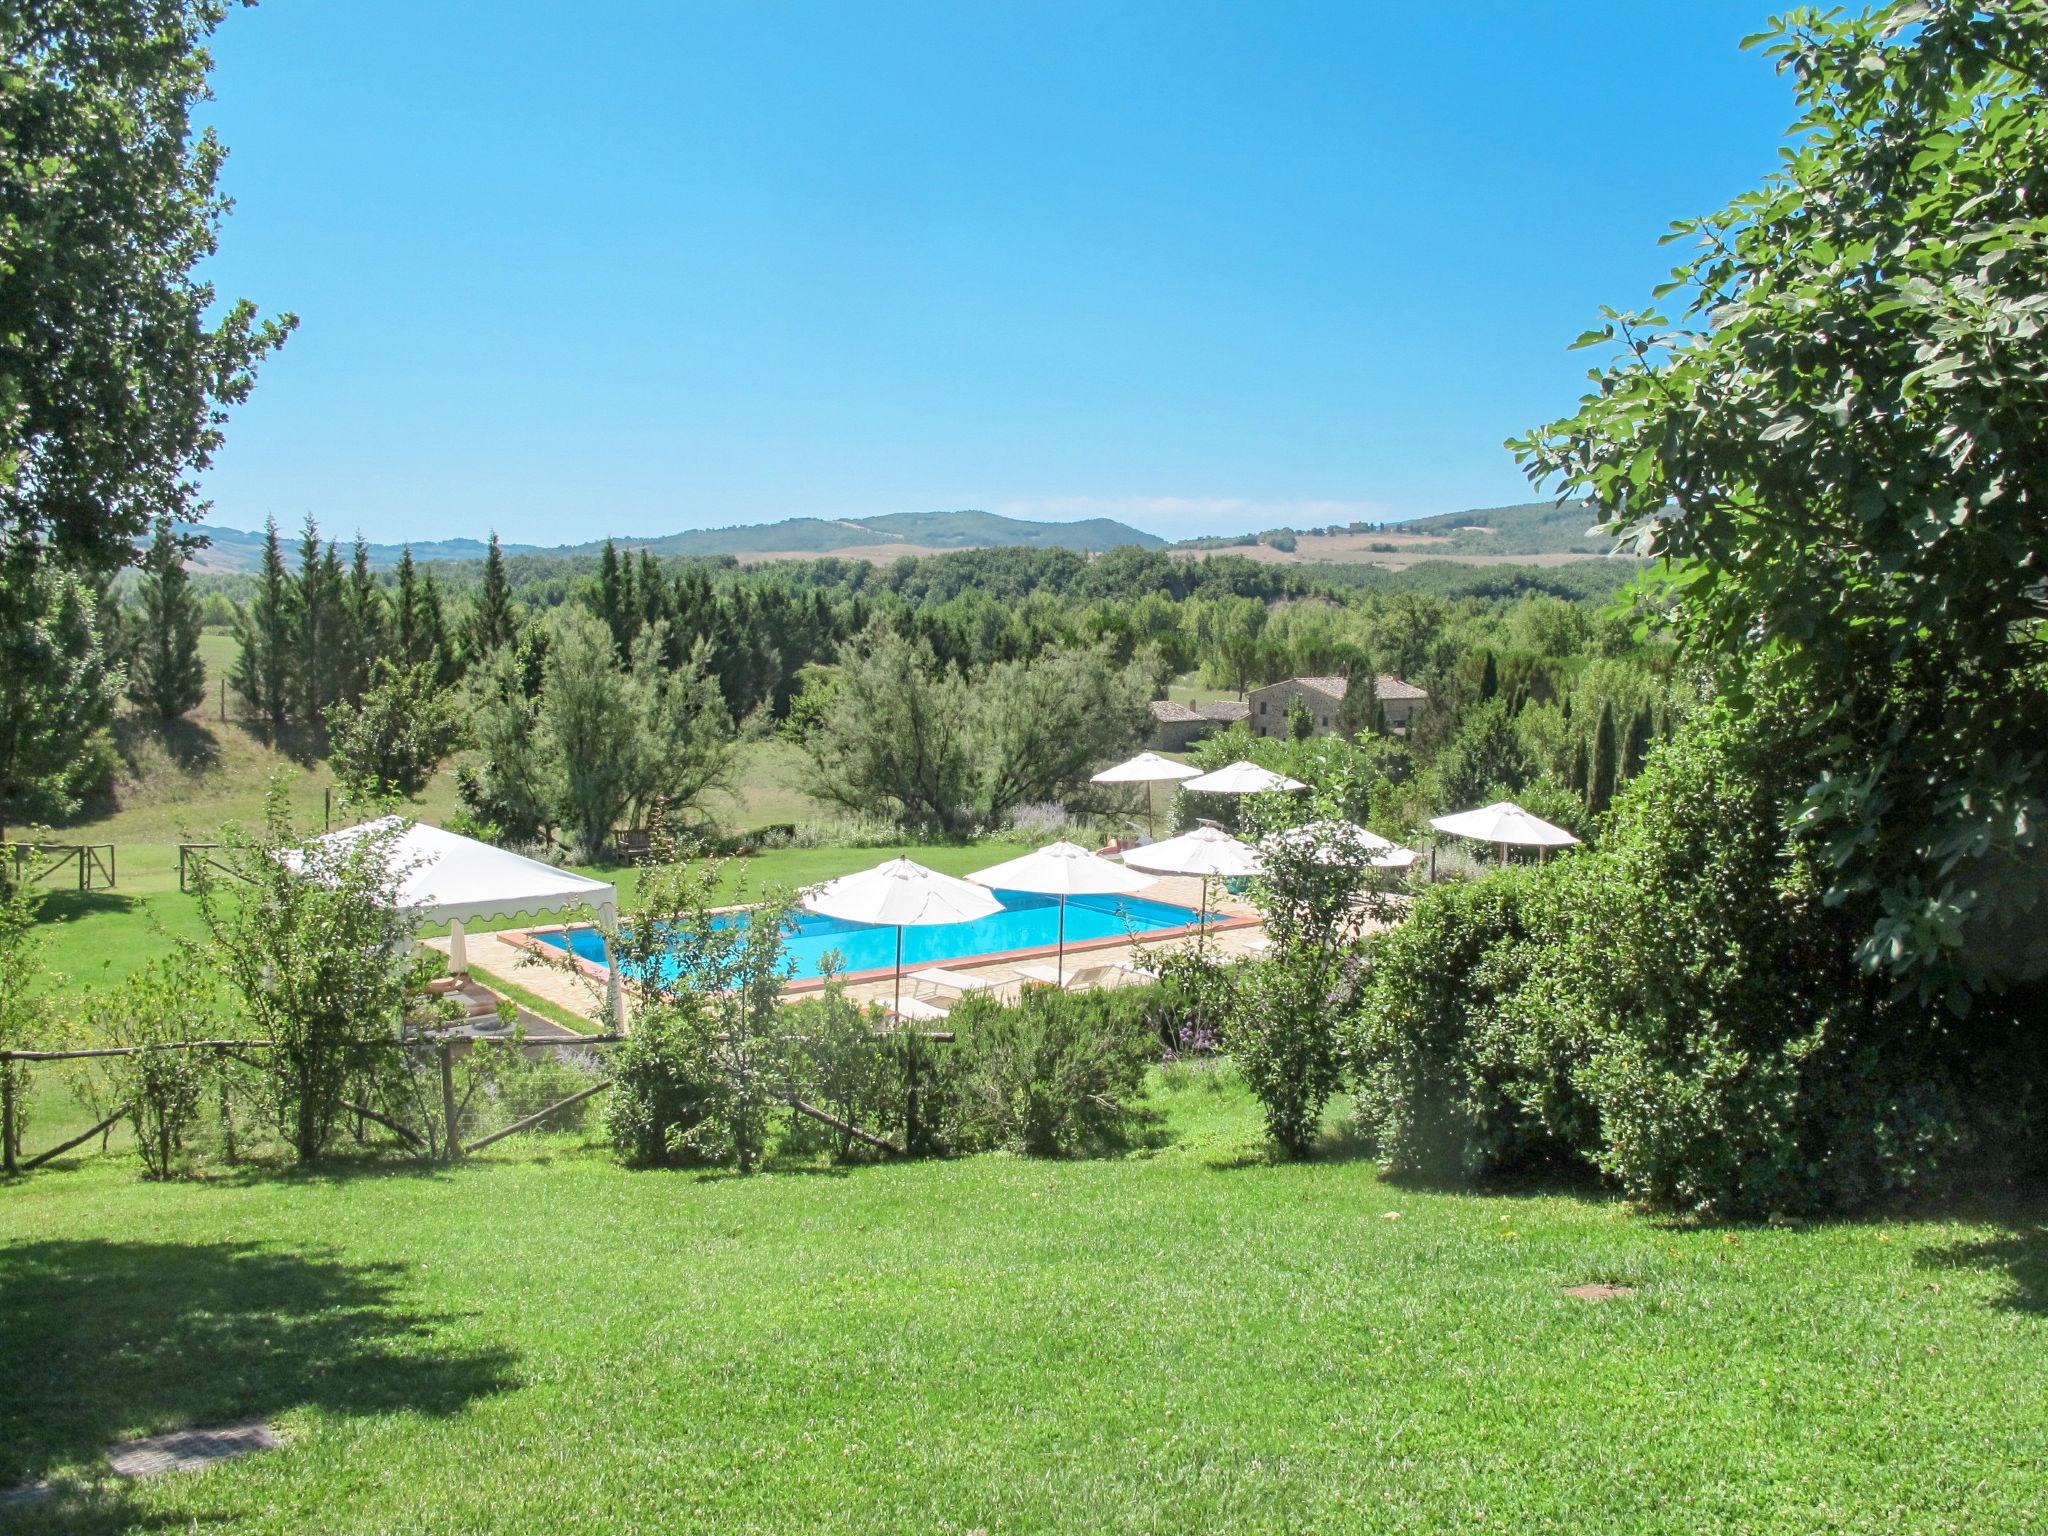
(898, 1010)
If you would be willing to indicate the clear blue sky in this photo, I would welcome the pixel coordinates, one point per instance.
(568, 271)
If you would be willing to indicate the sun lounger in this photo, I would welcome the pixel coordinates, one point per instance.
(915, 1010)
(954, 982)
(1082, 977)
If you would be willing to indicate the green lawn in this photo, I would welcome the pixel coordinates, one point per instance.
(1187, 1340)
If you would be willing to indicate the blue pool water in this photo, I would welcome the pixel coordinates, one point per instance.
(1026, 922)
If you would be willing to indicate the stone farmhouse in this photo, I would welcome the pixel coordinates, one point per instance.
(1269, 705)
(1176, 727)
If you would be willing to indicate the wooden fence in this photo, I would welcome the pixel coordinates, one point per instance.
(447, 1050)
(92, 863)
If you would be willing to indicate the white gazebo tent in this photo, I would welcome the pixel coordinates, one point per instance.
(1241, 778)
(1147, 768)
(1206, 852)
(445, 877)
(1506, 824)
(898, 894)
(1062, 869)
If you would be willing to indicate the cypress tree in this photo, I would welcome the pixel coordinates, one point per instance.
(165, 674)
(1489, 679)
(408, 624)
(1637, 745)
(263, 667)
(362, 642)
(492, 621)
(617, 603)
(315, 624)
(437, 648)
(1600, 776)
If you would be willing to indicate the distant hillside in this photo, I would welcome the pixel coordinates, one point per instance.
(1538, 531)
(870, 538)
(232, 549)
(1526, 528)
(914, 531)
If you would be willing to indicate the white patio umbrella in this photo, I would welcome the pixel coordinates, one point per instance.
(1241, 778)
(1062, 869)
(1504, 823)
(1333, 842)
(1206, 852)
(1147, 768)
(900, 894)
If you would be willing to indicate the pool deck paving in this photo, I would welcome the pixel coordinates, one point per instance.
(579, 988)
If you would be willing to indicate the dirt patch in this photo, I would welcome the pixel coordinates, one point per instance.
(1599, 1292)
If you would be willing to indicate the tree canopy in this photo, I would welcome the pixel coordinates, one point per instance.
(1842, 446)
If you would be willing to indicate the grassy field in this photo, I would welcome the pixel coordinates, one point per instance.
(1189, 1339)
(184, 782)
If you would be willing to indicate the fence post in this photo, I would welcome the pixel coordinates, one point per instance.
(9, 1152)
(451, 1147)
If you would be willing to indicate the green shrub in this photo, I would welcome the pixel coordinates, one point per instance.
(667, 1101)
(843, 1065)
(1050, 1076)
(1455, 1078)
(527, 1085)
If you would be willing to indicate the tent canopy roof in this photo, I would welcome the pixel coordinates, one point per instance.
(449, 878)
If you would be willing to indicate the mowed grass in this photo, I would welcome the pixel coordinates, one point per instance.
(1191, 1339)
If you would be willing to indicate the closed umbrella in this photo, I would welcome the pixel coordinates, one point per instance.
(1062, 869)
(1147, 768)
(1206, 852)
(899, 894)
(1504, 823)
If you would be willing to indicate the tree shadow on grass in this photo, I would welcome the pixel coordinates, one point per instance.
(2021, 1254)
(101, 1339)
(62, 906)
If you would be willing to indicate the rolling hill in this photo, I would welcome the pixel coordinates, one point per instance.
(907, 533)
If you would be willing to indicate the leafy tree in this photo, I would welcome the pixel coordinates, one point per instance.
(682, 743)
(893, 736)
(508, 788)
(1040, 727)
(1841, 447)
(587, 728)
(311, 939)
(1284, 1029)
(493, 619)
(58, 690)
(262, 672)
(1486, 752)
(165, 675)
(392, 741)
(117, 364)
(1301, 720)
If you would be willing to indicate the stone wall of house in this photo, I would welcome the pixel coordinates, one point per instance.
(1271, 704)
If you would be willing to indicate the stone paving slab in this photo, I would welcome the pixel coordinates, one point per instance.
(189, 1450)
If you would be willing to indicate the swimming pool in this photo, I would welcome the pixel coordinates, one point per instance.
(1026, 922)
